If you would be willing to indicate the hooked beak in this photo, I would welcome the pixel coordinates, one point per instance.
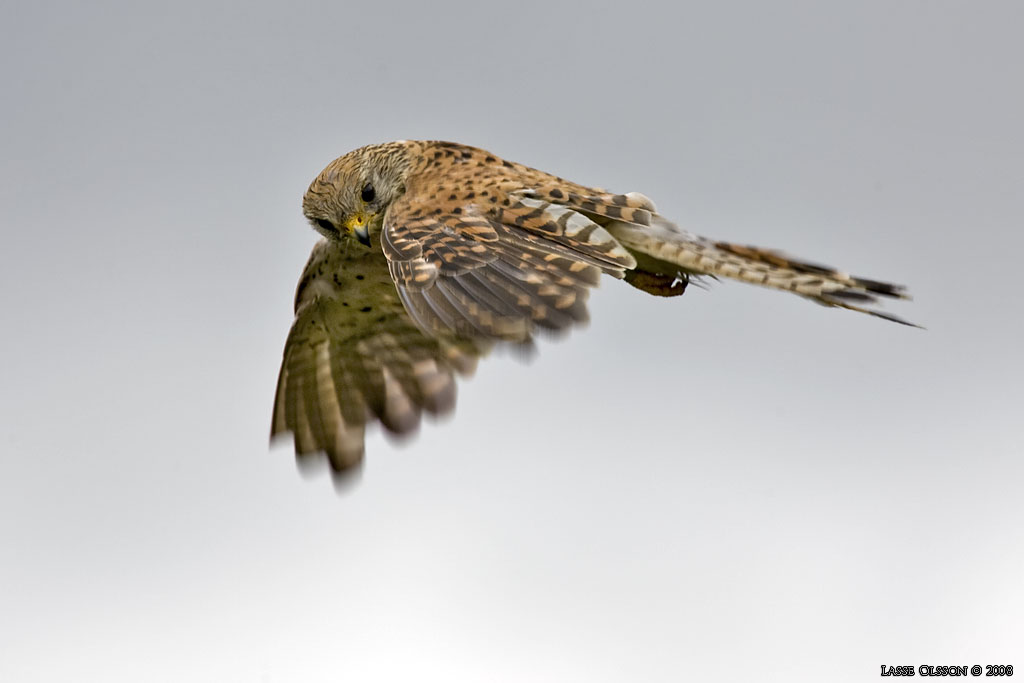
(362, 234)
(359, 226)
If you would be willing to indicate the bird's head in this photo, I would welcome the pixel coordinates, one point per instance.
(350, 196)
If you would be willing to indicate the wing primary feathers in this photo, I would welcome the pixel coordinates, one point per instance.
(361, 353)
(479, 320)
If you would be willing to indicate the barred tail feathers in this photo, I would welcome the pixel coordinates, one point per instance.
(670, 246)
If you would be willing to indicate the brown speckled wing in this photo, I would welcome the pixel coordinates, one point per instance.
(354, 356)
(476, 252)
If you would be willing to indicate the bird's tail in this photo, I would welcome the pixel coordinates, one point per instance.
(663, 246)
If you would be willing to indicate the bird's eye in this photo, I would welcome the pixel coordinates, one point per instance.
(368, 193)
(326, 225)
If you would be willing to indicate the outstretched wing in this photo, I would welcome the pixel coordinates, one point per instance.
(354, 356)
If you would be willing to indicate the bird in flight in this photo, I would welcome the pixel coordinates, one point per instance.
(435, 251)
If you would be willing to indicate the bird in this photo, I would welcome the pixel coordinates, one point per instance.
(433, 253)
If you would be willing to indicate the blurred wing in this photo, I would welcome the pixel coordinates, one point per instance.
(354, 356)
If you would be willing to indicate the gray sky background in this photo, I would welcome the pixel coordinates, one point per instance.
(732, 485)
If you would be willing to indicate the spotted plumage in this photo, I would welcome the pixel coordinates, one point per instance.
(436, 251)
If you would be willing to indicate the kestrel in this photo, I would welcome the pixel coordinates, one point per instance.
(436, 251)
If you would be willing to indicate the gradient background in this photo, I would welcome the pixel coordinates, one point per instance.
(733, 485)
